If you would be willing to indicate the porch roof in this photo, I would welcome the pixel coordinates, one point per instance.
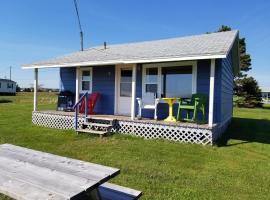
(205, 46)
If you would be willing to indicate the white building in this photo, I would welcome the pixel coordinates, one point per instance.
(266, 95)
(7, 87)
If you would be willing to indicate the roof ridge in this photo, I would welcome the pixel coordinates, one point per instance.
(214, 45)
(101, 47)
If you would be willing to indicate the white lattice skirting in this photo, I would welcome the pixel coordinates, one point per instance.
(142, 129)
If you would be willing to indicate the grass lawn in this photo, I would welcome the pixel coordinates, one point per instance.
(238, 167)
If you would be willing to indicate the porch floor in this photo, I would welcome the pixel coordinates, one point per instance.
(127, 118)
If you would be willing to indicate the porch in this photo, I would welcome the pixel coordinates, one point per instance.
(119, 87)
(146, 128)
(128, 76)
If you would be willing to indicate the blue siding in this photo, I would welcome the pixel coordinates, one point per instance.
(68, 79)
(104, 83)
(203, 84)
(226, 103)
(203, 79)
(217, 93)
(138, 85)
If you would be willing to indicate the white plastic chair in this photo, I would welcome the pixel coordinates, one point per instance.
(151, 104)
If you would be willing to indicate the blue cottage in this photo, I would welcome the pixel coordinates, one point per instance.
(129, 75)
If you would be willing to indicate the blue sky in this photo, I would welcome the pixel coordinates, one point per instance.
(34, 30)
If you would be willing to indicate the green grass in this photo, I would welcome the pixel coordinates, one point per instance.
(236, 168)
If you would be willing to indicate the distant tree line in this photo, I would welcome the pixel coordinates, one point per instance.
(31, 89)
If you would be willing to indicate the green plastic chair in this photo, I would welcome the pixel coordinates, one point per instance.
(196, 104)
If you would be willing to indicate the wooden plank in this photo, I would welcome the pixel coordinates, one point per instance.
(105, 118)
(92, 131)
(66, 165)
(134, 194)
(60, 183)
(97, 124)
(20, 190)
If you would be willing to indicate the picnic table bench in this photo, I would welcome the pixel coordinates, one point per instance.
(33, 175)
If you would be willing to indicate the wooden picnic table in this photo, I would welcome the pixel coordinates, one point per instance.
(29, 174)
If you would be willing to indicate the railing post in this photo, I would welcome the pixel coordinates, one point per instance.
(211, 94)
(75, 107)
(35, 89)
(76, 117)
(86, 106)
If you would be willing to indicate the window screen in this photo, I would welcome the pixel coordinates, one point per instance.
(177, 81)
(151, 80)
(86, 80)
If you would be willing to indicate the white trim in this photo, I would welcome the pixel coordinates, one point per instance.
(230, 48)
(211, 94)
(117, 85)
(35, 88)
(159, 82)
(158, 79)
(80, 79)
(136, 61)
(169, 64)
(116, 68)
(77, 84)
(133, 93)
(194, 78)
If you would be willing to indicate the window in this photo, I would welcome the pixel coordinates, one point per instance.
(177, 81)
(10, 85)
(86, 80)
(172, 79)
(151, 80)
(126, 83)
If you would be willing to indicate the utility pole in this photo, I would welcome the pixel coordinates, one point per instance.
(79, 23)
(10, 72)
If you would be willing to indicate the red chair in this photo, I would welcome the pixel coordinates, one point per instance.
(92, 100)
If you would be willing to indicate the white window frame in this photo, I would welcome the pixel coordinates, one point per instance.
(146, 82)
(90, 69)
(159, 66)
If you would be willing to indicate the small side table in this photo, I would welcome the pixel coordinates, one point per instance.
(170, 101)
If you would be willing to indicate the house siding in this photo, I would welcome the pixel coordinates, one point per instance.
(226, 101)
(4, 89)
(223, 94)
(104, 82)
(217, 93)
(203, 80)
(68, 79)
(203, 85)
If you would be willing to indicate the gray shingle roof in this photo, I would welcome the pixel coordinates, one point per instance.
(214, 45)
(6, 80)
(265, 89)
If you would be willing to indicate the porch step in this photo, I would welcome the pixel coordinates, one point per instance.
(101, 133)
(97, 125)
(94, 118)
